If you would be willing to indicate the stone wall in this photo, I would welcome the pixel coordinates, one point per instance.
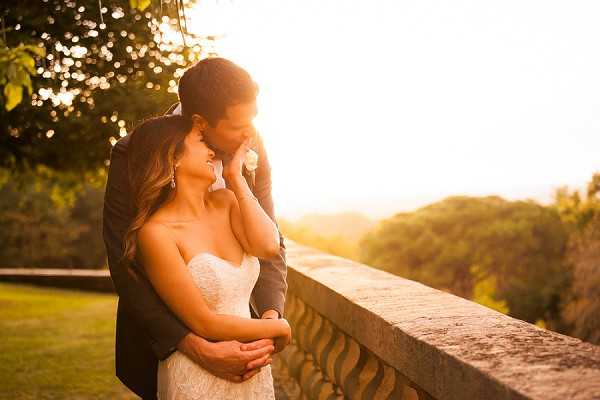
(361, 333)
(82, 279)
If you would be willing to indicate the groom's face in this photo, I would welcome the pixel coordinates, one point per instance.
(236, 126)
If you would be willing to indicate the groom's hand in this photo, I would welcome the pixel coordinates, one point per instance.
(253, 367)
(229, 359)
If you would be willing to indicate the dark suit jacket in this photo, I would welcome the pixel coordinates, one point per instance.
(147, 331)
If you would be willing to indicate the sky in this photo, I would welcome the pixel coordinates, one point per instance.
(386, 106)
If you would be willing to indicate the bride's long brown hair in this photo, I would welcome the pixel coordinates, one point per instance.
(153, 149)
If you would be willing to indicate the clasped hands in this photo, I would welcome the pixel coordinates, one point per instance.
(234, 360)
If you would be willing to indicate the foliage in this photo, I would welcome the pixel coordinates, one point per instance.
(50, 221)
(517, 246)
(98, 78)
(581, 214)
(17, 66)
(485, 290)
(57, 344)
(577, 210)
(582, 311)
(139, 4)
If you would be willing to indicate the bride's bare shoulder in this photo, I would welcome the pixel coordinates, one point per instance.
(153, 231)
(157, 247)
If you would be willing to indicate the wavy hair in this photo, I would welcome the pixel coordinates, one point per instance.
(154, 146)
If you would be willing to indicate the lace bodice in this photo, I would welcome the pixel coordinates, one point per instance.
(227, 289)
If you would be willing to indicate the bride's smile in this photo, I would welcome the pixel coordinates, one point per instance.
(196, 161)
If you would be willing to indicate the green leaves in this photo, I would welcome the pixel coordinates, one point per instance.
(13, 95)
(88, 88)
(17, 65)
(139, 4)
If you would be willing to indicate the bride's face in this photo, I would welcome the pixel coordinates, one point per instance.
(197, 158)
(234, 128)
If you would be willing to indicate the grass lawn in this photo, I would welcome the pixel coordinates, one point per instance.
(57, 344)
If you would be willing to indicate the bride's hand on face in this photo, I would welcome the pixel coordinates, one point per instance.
(233, 169)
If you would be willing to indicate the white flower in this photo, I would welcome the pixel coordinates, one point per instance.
(251, 160)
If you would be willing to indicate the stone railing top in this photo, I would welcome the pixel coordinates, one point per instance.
(83, 279)
(54, 272)
(451, 347)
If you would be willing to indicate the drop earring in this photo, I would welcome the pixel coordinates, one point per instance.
(173, 178)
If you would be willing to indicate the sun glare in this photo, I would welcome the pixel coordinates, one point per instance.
(385, 106)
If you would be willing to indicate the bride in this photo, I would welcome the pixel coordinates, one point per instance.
(199, 250)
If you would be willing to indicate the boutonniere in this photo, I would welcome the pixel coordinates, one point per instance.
(251, 160)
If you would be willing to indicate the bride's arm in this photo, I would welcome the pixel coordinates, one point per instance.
(173, 282)
(252, 226)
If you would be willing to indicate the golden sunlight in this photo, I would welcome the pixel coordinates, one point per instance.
(384, 107)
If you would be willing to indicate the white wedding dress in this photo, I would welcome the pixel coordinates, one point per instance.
(227, 290)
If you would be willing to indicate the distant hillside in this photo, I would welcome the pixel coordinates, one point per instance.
(337, 234)
(349, 225)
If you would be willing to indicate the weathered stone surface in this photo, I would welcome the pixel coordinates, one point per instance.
(445, 346)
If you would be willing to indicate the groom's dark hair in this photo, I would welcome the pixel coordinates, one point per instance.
(213, 84)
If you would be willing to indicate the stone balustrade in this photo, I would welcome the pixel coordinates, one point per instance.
(361, 333)
(82, 279)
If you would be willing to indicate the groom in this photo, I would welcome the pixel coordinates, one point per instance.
(224, 95)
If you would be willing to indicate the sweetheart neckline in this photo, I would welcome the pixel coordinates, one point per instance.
(232, 265)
